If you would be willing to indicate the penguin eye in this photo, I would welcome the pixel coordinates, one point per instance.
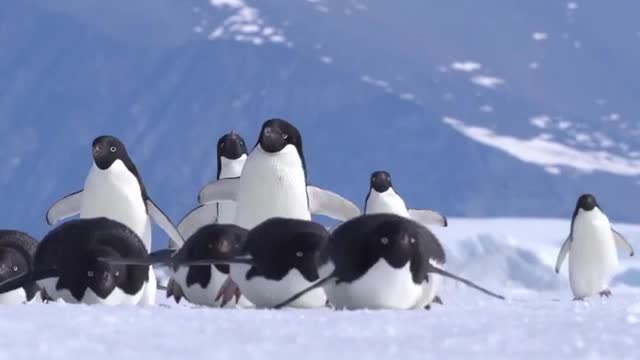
(117, 273)
(299, 254)
(90, 273)
(113, 149)
(15, 268)
(285, 136)
(412, 240)
(384, 240)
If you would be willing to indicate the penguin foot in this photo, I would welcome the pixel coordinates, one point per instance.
(228, 291)
(578, 299)
(437, 300)
(605, 293)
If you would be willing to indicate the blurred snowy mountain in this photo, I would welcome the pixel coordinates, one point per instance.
(486, 108)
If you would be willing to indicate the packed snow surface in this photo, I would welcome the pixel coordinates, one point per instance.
(512, 256)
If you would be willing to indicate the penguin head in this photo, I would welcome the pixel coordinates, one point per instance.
(106, 150)
(393, 241)
(231, 146)
(381, 181)
(586, 202)
(276, 134)
(217, 241)
(13, 262)
(306, 253)
(102, 277)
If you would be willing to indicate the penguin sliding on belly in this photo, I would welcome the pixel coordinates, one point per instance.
(232, 153)
(16, 259)
(380, 261)
(273, 183)
(591, 246)
(382, 199)
(278, 257)
(114, 189)
(67, 264)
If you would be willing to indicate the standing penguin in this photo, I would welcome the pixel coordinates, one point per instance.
(274, 184)
(232, 153)
(380, 261)
(591, 246)
(16, 259)
(68, 266)
(114, 189)
(278, 257)
(383, 199)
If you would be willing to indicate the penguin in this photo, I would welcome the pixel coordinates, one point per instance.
(114, 189)
(591, 246)
(232, 153)
(16, 259)
(67, 264)
(274, 183)
(380, 261)
(200, 284)
(279, 257)
(382, 198)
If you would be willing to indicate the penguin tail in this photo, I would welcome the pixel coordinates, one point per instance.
(26, 279)
(436, 270)
(300, 294)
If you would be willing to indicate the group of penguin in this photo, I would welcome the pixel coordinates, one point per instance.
(252, 241)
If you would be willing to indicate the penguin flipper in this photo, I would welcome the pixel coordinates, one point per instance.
(25, 279)
(165, 223)
(428, 217)
(622, 242)
(197, 218)
(66, 207)
(164, 256)
(324, 202)
(564, 250)
(469, 283)
(220, 190)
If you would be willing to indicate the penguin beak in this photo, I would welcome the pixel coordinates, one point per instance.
(224, 246)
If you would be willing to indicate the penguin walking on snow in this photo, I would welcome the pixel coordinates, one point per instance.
(273, 183)
(379, 261)
(67, 264)
(383, 199)
(16, 259)
(114, 189)
(591, 246)
(201, 285)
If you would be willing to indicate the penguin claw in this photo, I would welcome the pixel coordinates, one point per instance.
(605, 293)
(578, 299)
(228, 291)
(437, 300)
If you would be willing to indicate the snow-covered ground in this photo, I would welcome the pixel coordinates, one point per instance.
(512, 256)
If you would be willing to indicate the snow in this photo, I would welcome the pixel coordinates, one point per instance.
(545, 152)
(244, 24)
(465, 66)
(489, 82)
(510, 255)
(541, 121)
(540, 36)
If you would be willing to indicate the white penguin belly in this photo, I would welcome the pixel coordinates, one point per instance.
(382, 287)
(264, 293)
(430, 288)
(49, 285)
(13, 297)
(226, 212)
(592, 256)
(115, 194)
(386, 203)
(272, 185)
(149, 290)
(199, 295)
(116, 297)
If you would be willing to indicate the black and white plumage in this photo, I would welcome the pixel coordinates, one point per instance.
(16, 259)
(591, 246)
(383, 199)
(68, 266)
(232, 154)
(380, 261)
(115, 190)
